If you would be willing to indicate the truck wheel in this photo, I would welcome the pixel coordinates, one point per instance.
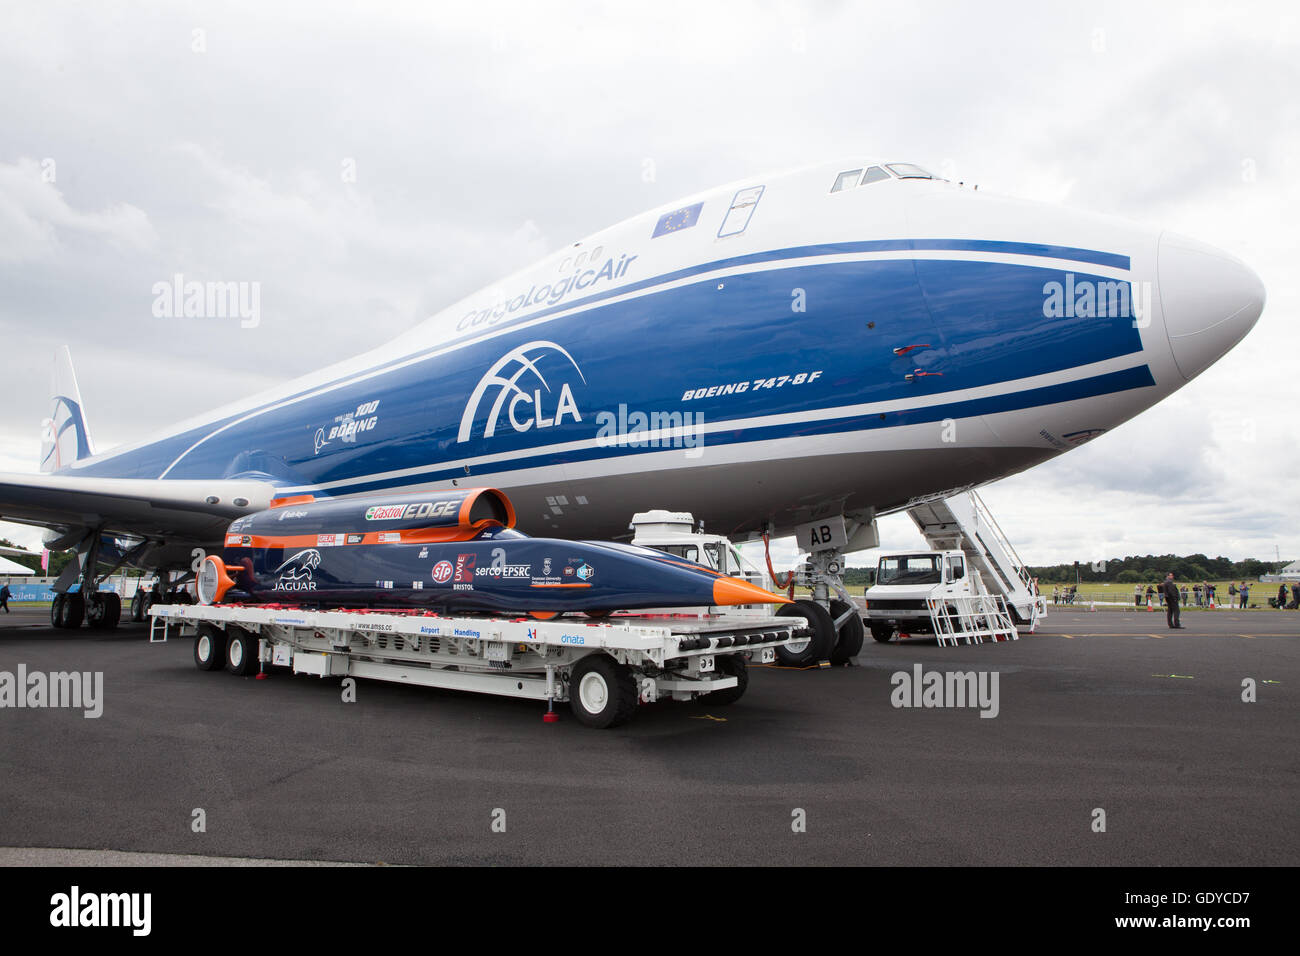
(733, 665)
(849, 643)
(241, 652)
(602, 692)
(138, 605)
(882, 632)
(209, 647)
(818, 647)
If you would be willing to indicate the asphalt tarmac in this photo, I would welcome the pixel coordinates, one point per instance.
(1104, 711)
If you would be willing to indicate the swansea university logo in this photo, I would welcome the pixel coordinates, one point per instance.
(538, 405)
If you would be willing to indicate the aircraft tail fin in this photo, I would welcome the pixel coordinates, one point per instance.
(65, 438)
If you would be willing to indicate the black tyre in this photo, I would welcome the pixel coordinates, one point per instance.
(733, 665)
(602, 692)
(848, 644)
(882, 632)
(209, 648)
(56, 610)
(139, 605)
(103, 610)
(241, 652)
(74, 610)
(819, 646)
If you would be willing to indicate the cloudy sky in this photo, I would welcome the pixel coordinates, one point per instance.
(369, 163)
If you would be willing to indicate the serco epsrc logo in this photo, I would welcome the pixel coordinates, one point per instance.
(524, 409)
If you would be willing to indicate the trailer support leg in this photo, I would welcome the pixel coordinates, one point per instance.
(550, 717)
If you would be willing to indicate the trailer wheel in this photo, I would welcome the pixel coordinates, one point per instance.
(818, 647)
(602, 692)
(209, 647)
(138, 605)
(882, 632)
(849, 643)
(733, 665)
(241, 652)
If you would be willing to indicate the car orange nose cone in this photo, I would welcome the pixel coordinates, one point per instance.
(734, 591)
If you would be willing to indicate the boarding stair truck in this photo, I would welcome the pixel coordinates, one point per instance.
(603, 668)
(674, 532)
(965, 523)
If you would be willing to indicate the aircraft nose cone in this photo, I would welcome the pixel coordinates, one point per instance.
(1210, 300)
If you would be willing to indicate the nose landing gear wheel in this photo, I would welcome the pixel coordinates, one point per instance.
(851, 633)
(818, 647)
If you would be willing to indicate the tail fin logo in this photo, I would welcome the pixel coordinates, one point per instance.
(542, 407)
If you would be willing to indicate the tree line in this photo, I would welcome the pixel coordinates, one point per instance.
(1152, 568)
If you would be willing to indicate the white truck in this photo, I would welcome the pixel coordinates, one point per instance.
(932, 592)
(603, 668)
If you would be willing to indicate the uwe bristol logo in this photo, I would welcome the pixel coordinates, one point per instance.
(544, 404)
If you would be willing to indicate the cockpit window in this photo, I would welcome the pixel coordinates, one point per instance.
(846, 180)
(908, 171)
(874, 174)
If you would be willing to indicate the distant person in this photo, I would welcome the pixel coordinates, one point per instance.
(4, 598)
(1244, 590)
(1281, 597)
(1151, 593)
(1137, 595)
(1214, 588)
(1295, 595)
(1184, 594)
(1197, 594)
(1171, 602)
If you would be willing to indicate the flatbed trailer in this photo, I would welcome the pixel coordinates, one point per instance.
(603, 668)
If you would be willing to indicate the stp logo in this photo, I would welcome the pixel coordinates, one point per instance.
(442, 572)
(465, 568)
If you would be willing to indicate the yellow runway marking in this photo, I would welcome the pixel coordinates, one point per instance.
(721, 720)
(1179, 676)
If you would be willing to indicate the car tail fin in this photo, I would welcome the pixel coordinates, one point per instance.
(65, 438)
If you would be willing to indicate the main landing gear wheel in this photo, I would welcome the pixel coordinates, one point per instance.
(209, 647)
(68, 612)
(241, 652)
(103, 610)
(733, 665)
(882, 632)
(820, 646)
(851, 633)
(602, 692)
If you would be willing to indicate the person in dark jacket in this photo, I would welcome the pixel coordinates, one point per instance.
(1170, 590)
(1281, 597)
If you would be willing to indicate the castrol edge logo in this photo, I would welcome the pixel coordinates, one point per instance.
(420, 509)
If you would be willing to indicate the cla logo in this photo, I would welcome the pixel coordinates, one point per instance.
(524, 409)
(442, 572)
(295, 573)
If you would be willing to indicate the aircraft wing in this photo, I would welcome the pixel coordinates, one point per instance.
(182, 510)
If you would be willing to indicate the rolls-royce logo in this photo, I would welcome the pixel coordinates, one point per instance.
(542, 407)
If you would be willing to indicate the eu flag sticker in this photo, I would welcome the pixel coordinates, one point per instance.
(678, 220)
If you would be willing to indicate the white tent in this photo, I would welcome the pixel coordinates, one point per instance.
(8, 567)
